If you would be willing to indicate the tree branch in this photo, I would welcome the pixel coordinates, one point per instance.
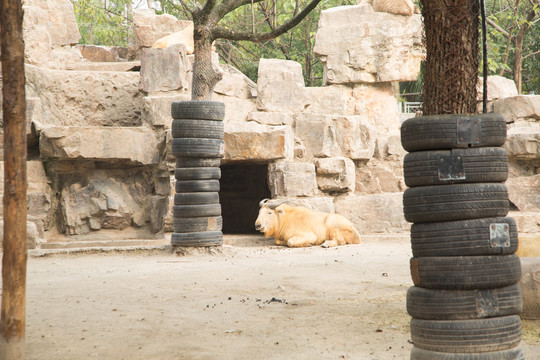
(222, 33)
(497, 27)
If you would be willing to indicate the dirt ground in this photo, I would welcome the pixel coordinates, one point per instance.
(248, 300)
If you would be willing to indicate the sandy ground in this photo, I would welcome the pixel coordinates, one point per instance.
(249, 300)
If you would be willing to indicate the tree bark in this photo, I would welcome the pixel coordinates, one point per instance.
(13, 309)
(451, 71)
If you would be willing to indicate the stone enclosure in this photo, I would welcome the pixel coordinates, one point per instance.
(100, 167)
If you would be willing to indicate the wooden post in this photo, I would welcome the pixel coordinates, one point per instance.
(13, 310)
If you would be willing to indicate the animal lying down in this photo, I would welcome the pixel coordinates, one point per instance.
(296, 226)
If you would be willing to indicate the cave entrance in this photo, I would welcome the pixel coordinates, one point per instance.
(242, 187)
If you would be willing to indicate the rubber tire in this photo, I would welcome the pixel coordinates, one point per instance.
(467, 336)
(198, 173)
(439, 132)
(455, 202)
(189, 162)
(431, 304)
(465, 272)
(198, 224)
(196, 198)
(461, 238)
(186, 186)
(190, 128)
(205, 238)
(201, 148)
(198, 109)
(511, 354)
(480, 165)
(207, 210)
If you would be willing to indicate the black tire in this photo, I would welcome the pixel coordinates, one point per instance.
(184, 211)
(467, 336)
(206, 238)
(430, 304)
(189, 162)
(198, 173)
(443, 167)
(201, 148)
(439, 132)
(186, 186)
(203, 109)
(466, 272)
(195, 198)
(189, 128)
(455, 202)
(197, 224)
(511, 354)
(486, 236)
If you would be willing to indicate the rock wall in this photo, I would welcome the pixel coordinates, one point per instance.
(99, 141)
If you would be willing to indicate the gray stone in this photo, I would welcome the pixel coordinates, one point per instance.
(159, 206)
(149, 27)
(377, 213)
(530, 287)
(269, 118)
(523, 142)
(358, 45)
(335, 174)
(292, 179)
(33, 237)
(252, 141)
(164, 69)
(524, 192)
(328, 136)
(280, 86)
(516, 108)
(86, 98)
(136, 145)
(157, 109)
(333, 99)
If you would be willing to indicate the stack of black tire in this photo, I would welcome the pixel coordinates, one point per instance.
(466, 300)
(198, 146)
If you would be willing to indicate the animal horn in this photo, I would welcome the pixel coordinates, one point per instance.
(263, 202)
(275, 205)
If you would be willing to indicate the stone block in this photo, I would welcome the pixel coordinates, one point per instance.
(236, 109)
(269, 118)
(164, 69)
(377, 213)
(335, 174)
(328, 136)
(135, 145)
(530, 287)
(234, 85)
(157, 109)
(287, 178)
(516, 108)
(149, 27)
(255, 142)
(358, 45)
(159, 206)
(377, 103)
(58, 17)
(499, 87)
(524, 192)
(378, 176)
(523, 142)
(333, 99)
(528, 222)
(95, 53)
(529, 245)
(86, 98)
(280, 86)
(33, 236)
(316, 203)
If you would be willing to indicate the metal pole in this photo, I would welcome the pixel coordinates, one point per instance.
(13, 309)
(484, 55)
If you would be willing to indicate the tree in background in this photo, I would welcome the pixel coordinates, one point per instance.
(514, 41)
(104, 22)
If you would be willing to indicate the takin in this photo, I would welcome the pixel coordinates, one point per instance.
(297, 226)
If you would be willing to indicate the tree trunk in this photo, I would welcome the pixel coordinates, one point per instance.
(205, 77)
(13, 309)
(451, 71)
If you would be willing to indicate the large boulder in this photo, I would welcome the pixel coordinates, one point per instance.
(149, 27)
(335, 174)
(523, 142)
(287, 178)
(86, 98)
(164, 69)
(524, 192)
(530, 287)
(359, 45)
(516, 108)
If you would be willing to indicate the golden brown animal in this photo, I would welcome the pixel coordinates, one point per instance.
(297, 226)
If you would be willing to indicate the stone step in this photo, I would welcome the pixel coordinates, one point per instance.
(106, 66)
(98, 244)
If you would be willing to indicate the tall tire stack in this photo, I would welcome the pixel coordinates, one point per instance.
(466, 301)
(198, 146)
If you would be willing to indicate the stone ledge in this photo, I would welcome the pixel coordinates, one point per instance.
(530, 287)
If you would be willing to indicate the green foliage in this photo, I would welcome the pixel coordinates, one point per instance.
(104, 22)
